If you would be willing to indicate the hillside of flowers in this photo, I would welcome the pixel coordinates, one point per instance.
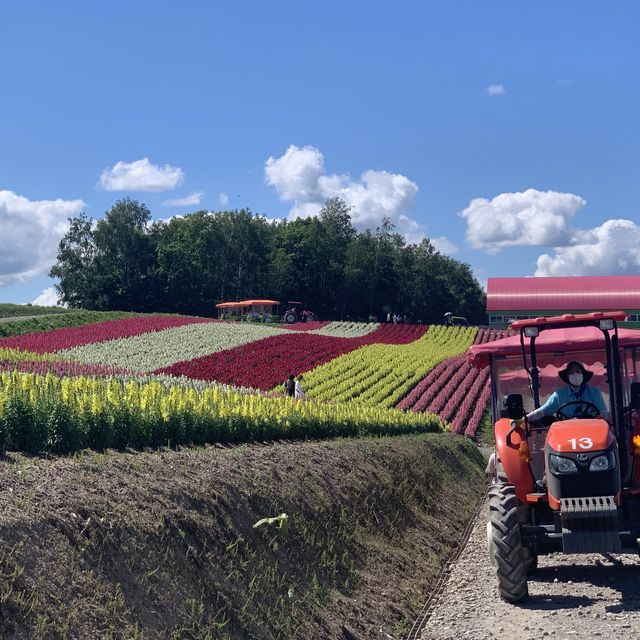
(455, 391)
(156, 380)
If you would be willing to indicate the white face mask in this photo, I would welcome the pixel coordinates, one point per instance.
(575, 379)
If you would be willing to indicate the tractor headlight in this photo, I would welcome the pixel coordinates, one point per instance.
(604, 462)
(560, 465)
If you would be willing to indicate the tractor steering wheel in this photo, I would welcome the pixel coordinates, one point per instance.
(590, 410)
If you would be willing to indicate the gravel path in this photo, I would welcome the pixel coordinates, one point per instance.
(570, 596)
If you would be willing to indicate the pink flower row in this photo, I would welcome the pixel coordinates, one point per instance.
(63, 368)
(68, 337)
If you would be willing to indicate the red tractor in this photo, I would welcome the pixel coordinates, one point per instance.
(297, 312)
(570, 481)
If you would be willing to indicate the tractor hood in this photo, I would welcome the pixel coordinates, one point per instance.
(580, 436)
(549, 344)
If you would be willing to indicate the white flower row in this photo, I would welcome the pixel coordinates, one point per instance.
(347, 329)
(151, 351)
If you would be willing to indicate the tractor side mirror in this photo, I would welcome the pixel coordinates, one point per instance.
(515, 408)
(634, 402)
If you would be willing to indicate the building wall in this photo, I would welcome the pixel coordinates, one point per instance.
(502, 319)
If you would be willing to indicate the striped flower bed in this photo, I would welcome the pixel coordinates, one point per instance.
(68, 338)
(152, 351)
(266, 363)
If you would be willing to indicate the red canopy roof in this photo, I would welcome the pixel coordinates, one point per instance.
(551, 342)
(563, 294)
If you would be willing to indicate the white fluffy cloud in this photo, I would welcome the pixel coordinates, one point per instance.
(31, 230)
(610, 249)
(48, 298)
(140, 175)
(496, 90)
(299, 177)
(191, 199)
(529, 218)
(223, 199)
(444, 245)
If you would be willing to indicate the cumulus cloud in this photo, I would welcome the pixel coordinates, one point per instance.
(496, 90)
(299, 177)
(31, 230)
(610, 249)
(191, 199)
(529, 218)
(48, 298)
(223, 199)
(140, 175)
(444, 245)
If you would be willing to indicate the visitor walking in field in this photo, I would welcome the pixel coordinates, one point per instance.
(299, 391)
(290, 386)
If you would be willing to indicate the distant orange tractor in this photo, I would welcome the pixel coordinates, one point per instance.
(571, 481)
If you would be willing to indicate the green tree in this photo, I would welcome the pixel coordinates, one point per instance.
(75, 265)
(125, 259)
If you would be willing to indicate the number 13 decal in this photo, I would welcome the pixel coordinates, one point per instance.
(581, 443)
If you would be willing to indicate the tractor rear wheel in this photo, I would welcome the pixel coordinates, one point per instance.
(505, 544)
(530, 559)
(290, 317)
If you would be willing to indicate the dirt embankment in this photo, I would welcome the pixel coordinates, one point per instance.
(162, 545)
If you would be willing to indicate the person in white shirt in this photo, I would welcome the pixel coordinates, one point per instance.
(299, 391)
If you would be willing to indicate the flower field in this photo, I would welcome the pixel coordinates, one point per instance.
(381, 374)
(64, 414)
(152, 380)
(67, 338)
(455, 391)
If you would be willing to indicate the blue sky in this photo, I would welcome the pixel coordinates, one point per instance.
(508, 132)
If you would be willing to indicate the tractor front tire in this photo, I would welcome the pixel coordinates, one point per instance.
(505, 544)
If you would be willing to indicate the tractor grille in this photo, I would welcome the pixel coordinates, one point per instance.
(589, 525)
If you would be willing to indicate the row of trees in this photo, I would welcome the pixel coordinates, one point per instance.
(127, 262)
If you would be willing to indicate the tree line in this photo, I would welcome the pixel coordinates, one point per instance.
(127, 262)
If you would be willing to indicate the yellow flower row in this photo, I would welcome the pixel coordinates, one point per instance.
(150, 413)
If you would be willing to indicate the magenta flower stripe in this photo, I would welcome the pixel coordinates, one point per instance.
(67, 338)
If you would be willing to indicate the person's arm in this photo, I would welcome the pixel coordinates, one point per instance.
(549, 407)
(598, 401)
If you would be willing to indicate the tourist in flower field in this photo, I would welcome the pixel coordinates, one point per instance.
(299, 391)
(290, 386)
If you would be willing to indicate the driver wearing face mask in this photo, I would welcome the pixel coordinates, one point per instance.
(577, 390)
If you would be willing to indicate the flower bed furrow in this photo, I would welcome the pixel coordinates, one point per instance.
(383, 374)
(455, 391)
(67, 338)
(157, 350)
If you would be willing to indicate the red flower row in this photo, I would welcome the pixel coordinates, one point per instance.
(68, 337)
(62, 369)
(263, 364)
(305, 326)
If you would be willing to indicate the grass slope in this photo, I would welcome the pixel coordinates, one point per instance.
(10, 310)
(162, 545)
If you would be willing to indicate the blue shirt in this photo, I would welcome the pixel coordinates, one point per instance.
(568, 394)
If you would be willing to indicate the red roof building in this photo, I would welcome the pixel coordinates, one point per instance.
(511, 299)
